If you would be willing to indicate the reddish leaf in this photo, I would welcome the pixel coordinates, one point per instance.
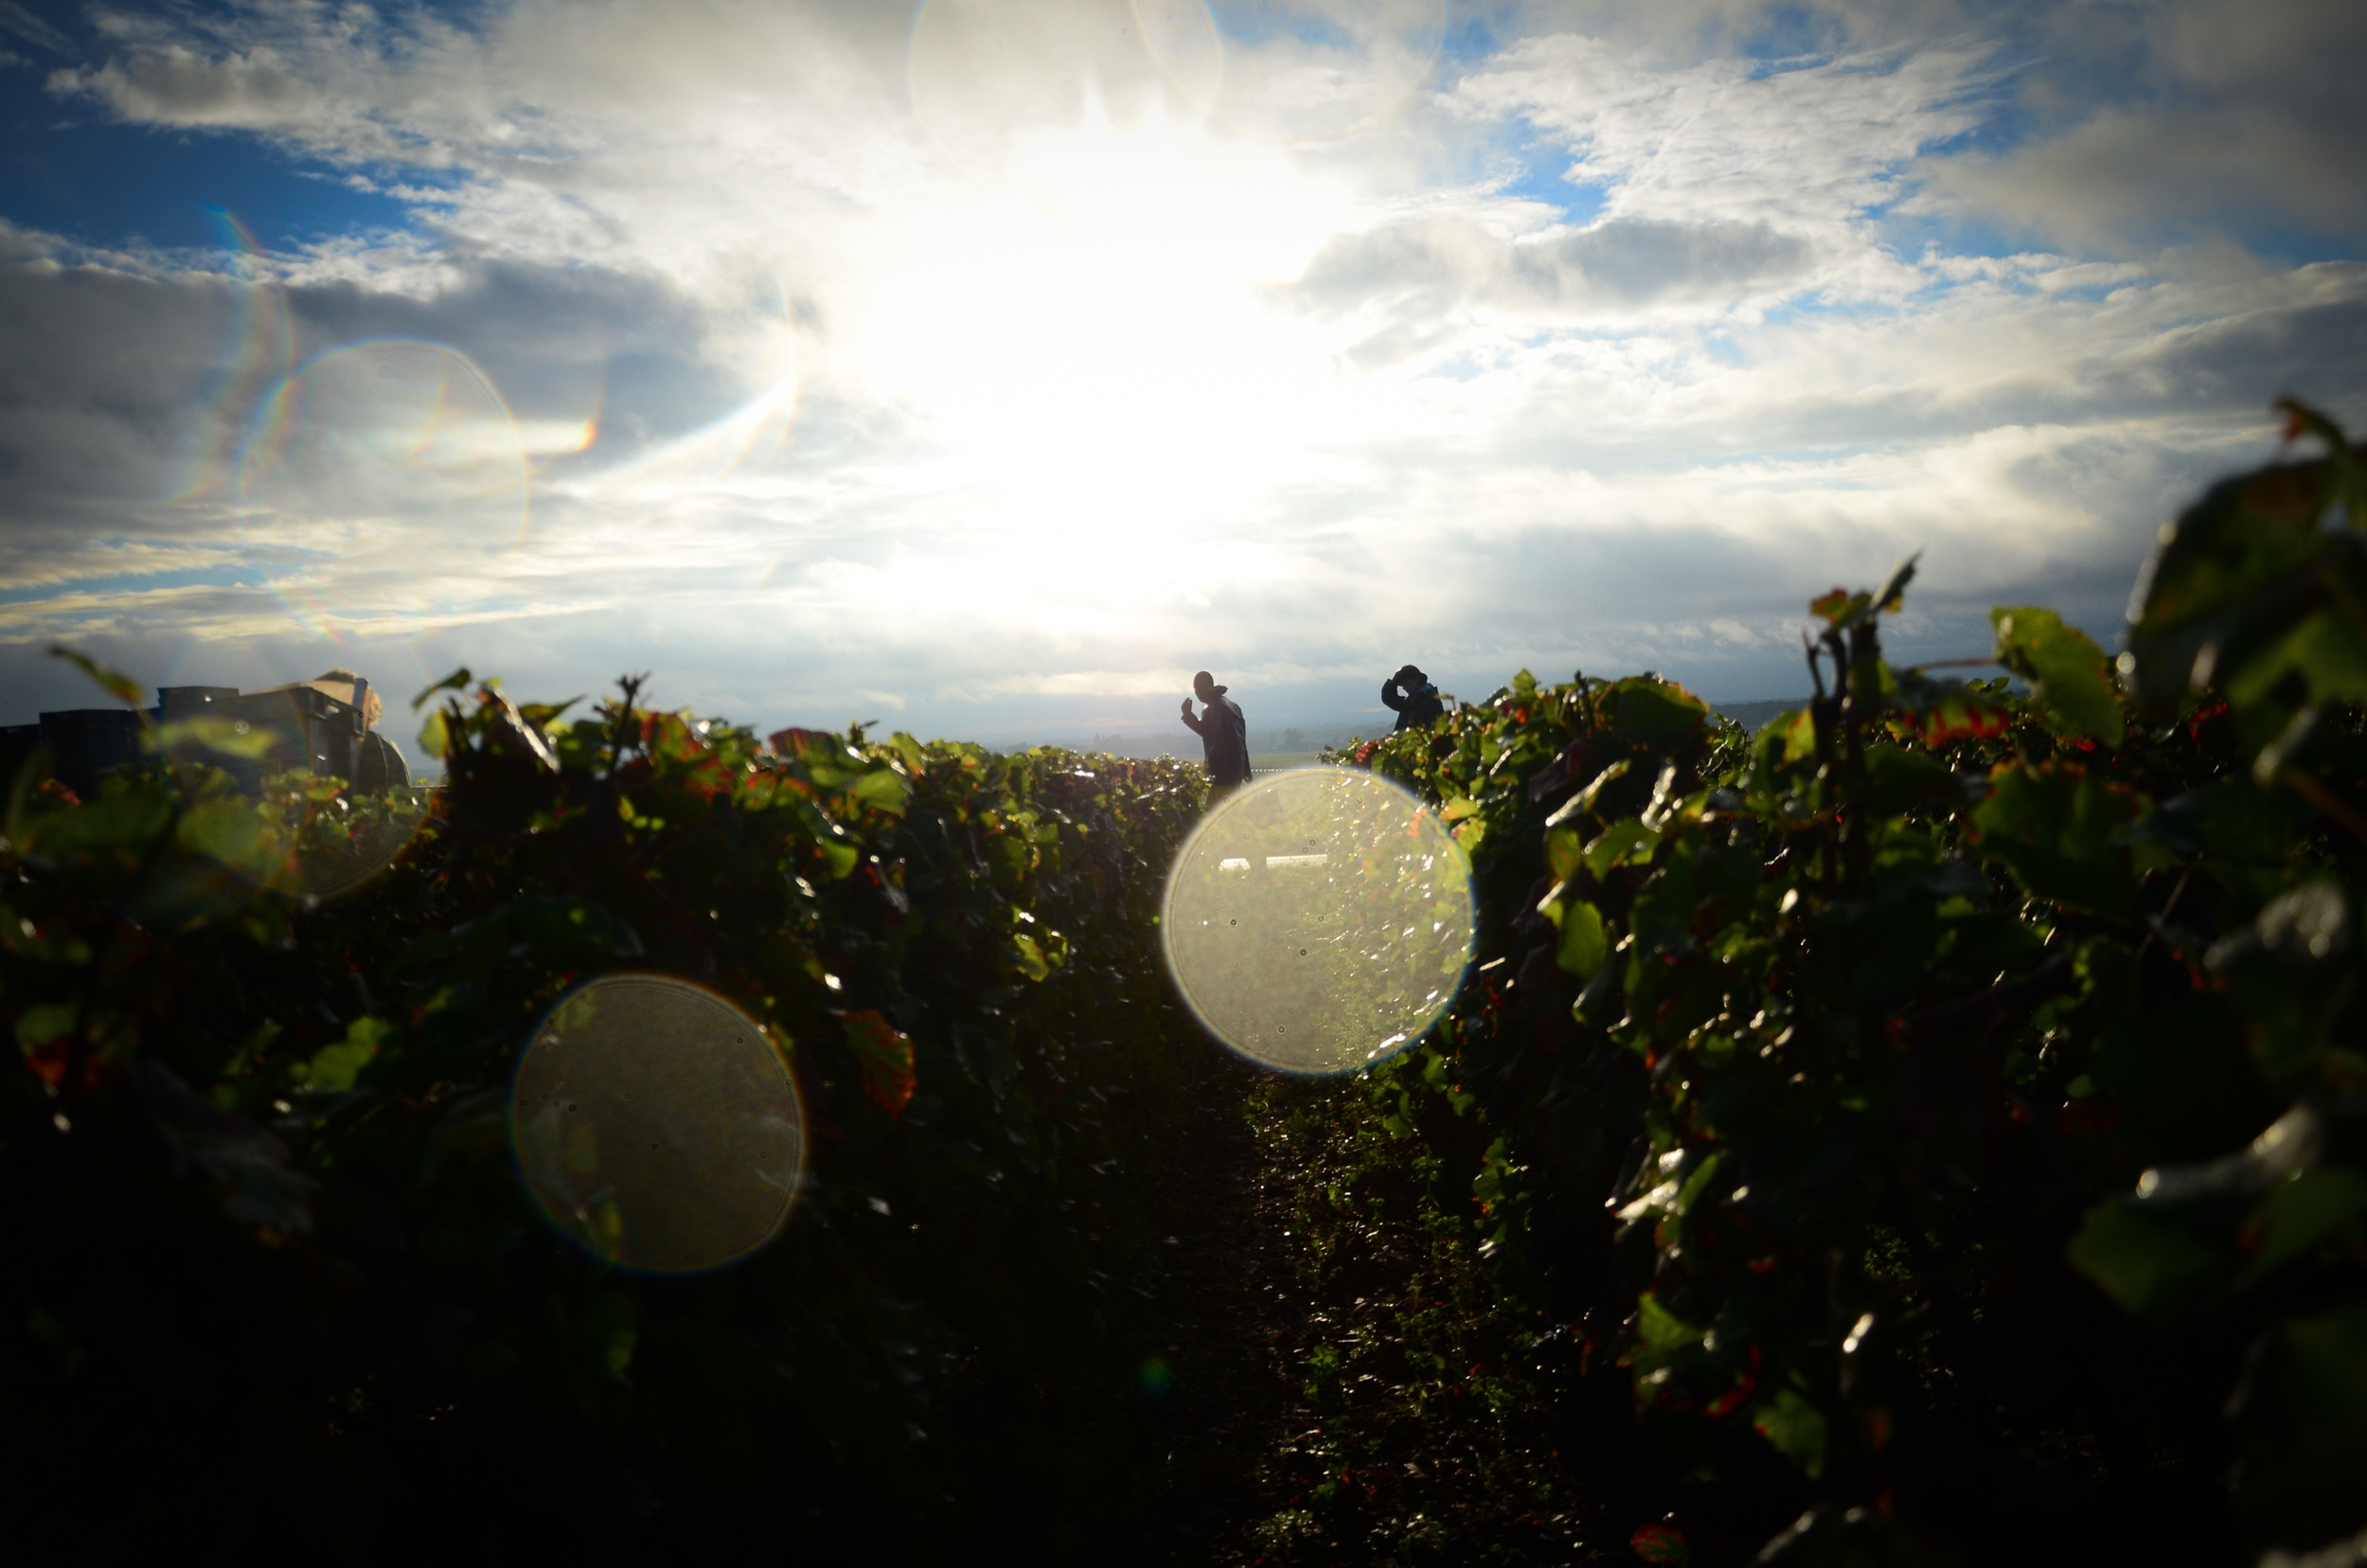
(1956, 720)
(48, 1060)
(1659, 1544)
(884, 1058)
(796, 742)
(669, 735)
(1832, 606)
(1940, 710)
(1878, 1429)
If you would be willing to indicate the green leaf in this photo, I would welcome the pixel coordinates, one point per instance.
(1031, 959)
(335, 1068)
(1601, 781)
(1618, 844)
(1699, 1182)
(457, 681)
(1793, 1428)
(2327, 649)
(120, 687)
(45, 1023)
(883, 788)
(2325, 1387)
(1665, 909)
(2243, 535)
(1584, 946)
(1661, 1332)
(435, 735)
(539, 715)
(1565, 851)
(265, 1189)
(2244, 833)
(2060, 831)
(2069, 677)
(1786, 739)
(242, 835)
(112, 832)
(1894, 593)
(2230, 575)
(2149, 1266)
(1899, 780)
(1660, 714)
(2316, 1210)
(608, 1329)
(228, 736)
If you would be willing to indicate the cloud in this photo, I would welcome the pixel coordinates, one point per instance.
(1815, 143)
(1443, 264)
(2208, 115)
(22, 23)
(1011, 394)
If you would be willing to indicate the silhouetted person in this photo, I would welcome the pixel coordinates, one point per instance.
(1417, 704)
(1224, 735)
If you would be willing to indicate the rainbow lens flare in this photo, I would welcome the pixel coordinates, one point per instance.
(389, 431)
(657, 1126)
(1318, 921)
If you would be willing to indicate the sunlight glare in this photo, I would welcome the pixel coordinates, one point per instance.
(1090, 336)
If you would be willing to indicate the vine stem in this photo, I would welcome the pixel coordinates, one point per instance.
(2168, 909)
(2326, 800)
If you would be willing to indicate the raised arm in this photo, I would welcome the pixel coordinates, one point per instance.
(1389, 695)
(1197, 726)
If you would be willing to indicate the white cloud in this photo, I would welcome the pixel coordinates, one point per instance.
(1010, 394)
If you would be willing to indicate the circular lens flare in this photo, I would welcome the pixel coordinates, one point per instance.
(1318, 921)
(396, 427)
(657, 1126)
(295, 792)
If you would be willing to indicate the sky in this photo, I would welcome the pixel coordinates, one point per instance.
(983, 368)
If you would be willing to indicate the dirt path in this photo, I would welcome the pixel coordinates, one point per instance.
(1213, 1395)
(1327, 1378)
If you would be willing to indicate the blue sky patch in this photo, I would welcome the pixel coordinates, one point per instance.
(68, 170)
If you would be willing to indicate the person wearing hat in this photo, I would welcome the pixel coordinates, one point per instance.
(1415, 699)
(1224, 735)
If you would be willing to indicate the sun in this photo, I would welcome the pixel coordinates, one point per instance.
(1092, 333)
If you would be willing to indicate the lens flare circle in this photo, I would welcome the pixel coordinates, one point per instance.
(290, 794)
(1318, 921)
(394, 428)
(657, 1126)
(345, 842)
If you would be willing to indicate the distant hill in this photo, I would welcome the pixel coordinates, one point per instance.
(1275, 747)
(1264, 741)
(1751, 715)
